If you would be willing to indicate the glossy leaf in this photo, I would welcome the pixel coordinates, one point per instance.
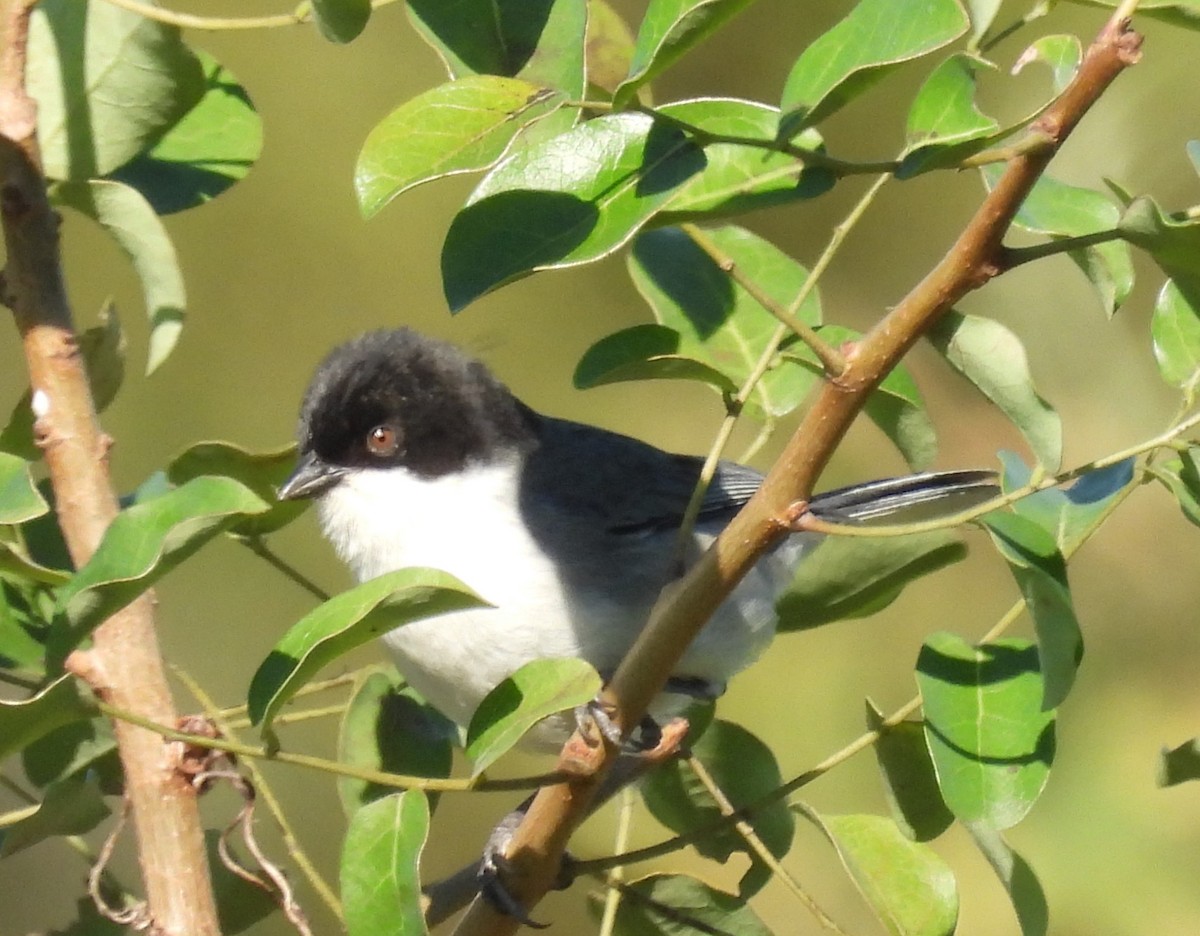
(1018, 879)
(573, 199)
(909, 780)
(108, 83)
(991, 741)
(346, 621)
(1179, 764)
(645, 352)
(380, 868)
(341, 20)
(1059, 210)
(744, 768)
(144, 543)
(214, 145)
(910, 888)
(1175, 328)
(19, 498)
(1041, 574)
(609, 47)
(737, 178)
(537, 690)
(70, 807)
(1173, 243)
(993, 359)
(851, 576)
(944, 125)
(541, 41)
(671, 28)
(389, 727)
(131, 221)
(718, 322)
(60, 703)
(463, 126)
(261, 472)
(688, 907)
(859, 51)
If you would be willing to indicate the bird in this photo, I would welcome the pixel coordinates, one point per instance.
(418, 455)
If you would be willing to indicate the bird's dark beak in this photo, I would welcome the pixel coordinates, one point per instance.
(311, 476)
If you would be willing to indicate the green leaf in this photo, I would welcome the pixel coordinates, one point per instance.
(1041, 574)
(143, 544)
(1062, 54)
(909, 780)
(261, 472)
(863, 48)
(570, 200)
(1179, 764)
(944, 125)
(910, 888)
(854, 576)
(21, 723)
(609, 48)
(108, 83)
(22, 632)
(341, 20)
(541, 41)
(718, 323)
(676, 905)
(389, 727)
(1173, 243)
(211, 147)
(70, 807)
(1175, 329)
(19, 498)
(132, 223)
(983, 12)
(671, 28)
(1018, 879)
(744, 768)
(78, 747)
(346, 621)
(991, 741)
(737, 178)
(1059, 210)
(644, 352)
(993, 359)
(537, 690)
(1182, 477)
(1193, 153)
(380, 873)
(463, 126)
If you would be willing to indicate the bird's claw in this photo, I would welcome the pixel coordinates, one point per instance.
(494, 866)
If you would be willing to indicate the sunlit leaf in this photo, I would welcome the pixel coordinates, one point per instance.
(993, 359)
(1028, 900)
(24, 721)
(136, 228)
(1182, 476)
(909, 780)
(1175, 328)
(992, 742)
(862, 49)
(19, 498)
(982, 12)
(346, 621)
(108, 83)
(380, 868)
(944, 125)
(463, 126)
(70, 807)
(671, 28)
(341, 20)
(676, 905)
(1061, 54)
(537, 690)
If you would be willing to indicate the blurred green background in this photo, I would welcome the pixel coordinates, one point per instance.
(281, 268)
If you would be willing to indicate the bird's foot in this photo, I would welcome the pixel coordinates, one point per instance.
(495, 866)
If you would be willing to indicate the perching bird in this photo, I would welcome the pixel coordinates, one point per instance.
(418, 456)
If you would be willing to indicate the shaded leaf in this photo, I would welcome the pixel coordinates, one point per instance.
(676, 905)
(72, 749)
(16, 559)
(993, 359)
(261, 472)
(862, 49)
(669, 29)
(1018, 879)
(19, 497)
(341, 20)
(389, 727)
(211, 147)
(944, 125)
(380, 873)
(1174, 243)
(1041, 574)
(910, 888)
(463, 126)
(60, 703)
(745, 769)
(537, 690)
(644, 352)
(1179, 764)
(609, 47)
(909, 780)
(1175, 329)
(70, 807)
(991, 741)
(132, 223)
(346, 621)
(108, 83)
(570, 200)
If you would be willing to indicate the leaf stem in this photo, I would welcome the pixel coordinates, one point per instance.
(1015, 256)
(258, 546)
(300, 15)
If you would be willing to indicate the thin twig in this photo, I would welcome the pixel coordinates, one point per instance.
(300, 15)
(612, 899)
(258, 546)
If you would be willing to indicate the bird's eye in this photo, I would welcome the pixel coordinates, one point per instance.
(383, 441)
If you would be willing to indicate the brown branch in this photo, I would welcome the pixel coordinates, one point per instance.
(124, 666)
(536, 850)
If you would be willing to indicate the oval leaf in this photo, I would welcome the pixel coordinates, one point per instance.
(349, 620)
(537, 690)
(1175, 328)
(644, 352)
(910, 782)
(71, 807)
(341, 20)
(380, 867)
(62, 702)
(944, 125)
(677, 905)
(1028, 899)
(991, 741)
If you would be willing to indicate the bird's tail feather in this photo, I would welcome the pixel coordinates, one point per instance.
(944, 492)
